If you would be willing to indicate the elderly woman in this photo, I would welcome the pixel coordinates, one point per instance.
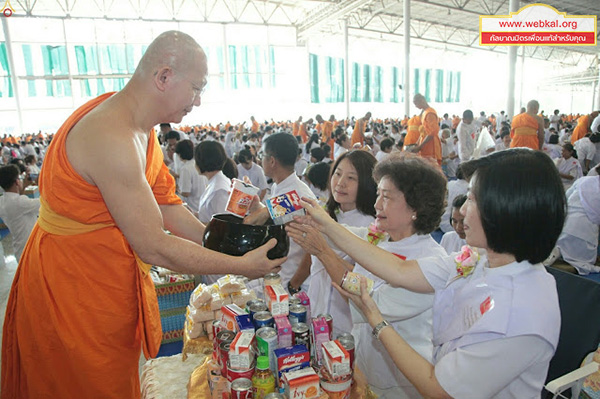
(568, 166)
(493, 335)
(409, 205)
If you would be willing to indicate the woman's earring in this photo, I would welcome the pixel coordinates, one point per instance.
(414, 217)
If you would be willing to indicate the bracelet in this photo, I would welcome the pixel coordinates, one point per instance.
(378, 328)
(292, 290)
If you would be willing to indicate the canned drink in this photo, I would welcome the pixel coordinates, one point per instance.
(267, 341)
(234, 374)
(297, 314)
(263, 319)
(253, 302)
(345, 335)
(294, 301)
(257, 307)
(225, 336)
(274, 395)
(301, 335)
(216, 329)
(272, 279)
(351, 283)
(329, 321)
(348, 344)
(241, 389)
(224, 357)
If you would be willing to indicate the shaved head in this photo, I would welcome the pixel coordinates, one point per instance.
(420, 101)
(533, 106)
(172, 49)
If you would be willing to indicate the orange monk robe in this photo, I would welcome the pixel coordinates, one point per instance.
(358, 134)
(318, 128)
(583, 125)
(524, 132)
(412, 134)
(296, 128)
(404, 121)
(455, 122)
(430, 127)
(326, 134)
(255, 127)
(80, 308)
(302, 132)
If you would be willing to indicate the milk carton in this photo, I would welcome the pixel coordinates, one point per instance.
(277, 300)
(301, 384)
(336, 359)
(241, 350)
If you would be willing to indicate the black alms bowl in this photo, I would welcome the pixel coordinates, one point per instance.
(227, 234)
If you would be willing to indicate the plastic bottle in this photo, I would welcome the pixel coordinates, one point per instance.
(263, 381)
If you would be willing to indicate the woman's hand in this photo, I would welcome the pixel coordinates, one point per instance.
(307, 237)
(364, 302)
(315, 215)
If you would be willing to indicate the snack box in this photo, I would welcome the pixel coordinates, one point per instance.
(240, 197)
(319, 334)
(284, 331)
(228, 314)
(336, 359)
(304, 301)
(241, 350)
(290, 359)
(244, 323)
(301, 384)
(278, 300)
(284, 207)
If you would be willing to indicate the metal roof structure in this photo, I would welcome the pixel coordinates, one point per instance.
(443, 23)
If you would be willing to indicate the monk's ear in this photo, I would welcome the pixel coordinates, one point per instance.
(163, 77)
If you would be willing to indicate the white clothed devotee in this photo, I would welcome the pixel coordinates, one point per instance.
(192, 182)
(578, 241)
(467, 349)
(230, 147)
(300, 167)
(19, 213)
(452, 243)
(339, 151)
(554, 119)
(323, 297)
(595, 124)
(585, 150)
(466, 140)
(381, 155)
(571, 167)
(408, 312)
(256, 175)
(214, 199)
(455, 188)
(554, 151)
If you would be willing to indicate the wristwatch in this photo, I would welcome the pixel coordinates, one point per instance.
(292, 290)
(377, 329)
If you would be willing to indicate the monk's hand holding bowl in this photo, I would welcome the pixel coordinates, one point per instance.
(257, 263)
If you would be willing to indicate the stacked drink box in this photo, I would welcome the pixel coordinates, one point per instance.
(303, 358)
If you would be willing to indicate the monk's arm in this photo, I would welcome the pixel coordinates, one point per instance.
(129, 199)
(181, 222)
(540, 132)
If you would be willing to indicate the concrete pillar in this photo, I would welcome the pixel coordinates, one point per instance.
(13, 74)
(513, 6)
(406, 87)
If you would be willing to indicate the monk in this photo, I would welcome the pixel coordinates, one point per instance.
(527, 129)
(296, 127)
(429, 144)
(412, 134)
(82, 303)
(304, 129)
(583, 127)
(255, 125)
(326, 131)
(358, 134)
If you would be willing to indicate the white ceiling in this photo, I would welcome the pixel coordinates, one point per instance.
(452, 23)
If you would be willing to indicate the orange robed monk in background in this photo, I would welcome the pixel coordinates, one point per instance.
(82, 304)
(527, 129)
(583, 126)
(358, 134)
(429, 144)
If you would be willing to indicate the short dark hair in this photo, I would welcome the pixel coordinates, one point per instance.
(469, 114)
(210, 156)
(521, 201)
(423, 186)
(318, 175)
(457, 203)
(9, 175)
(504, 133)
(317, 153)
(364, 163)
(29, 159)
(185, 149)
(553, 139)
(283, 147)
(244, 156)
(386, 143)
(172, 134)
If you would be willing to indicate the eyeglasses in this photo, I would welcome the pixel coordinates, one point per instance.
(198, 90)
